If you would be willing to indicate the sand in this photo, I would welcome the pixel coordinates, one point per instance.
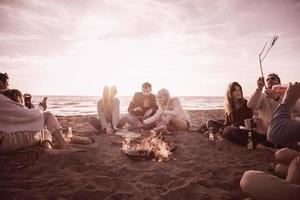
(199, 169)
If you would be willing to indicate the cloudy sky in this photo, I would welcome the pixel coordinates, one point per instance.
(191, 47)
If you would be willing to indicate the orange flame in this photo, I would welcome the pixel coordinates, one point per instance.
(151, 145)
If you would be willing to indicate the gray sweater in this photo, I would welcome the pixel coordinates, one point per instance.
(283, 129)
(15, 117)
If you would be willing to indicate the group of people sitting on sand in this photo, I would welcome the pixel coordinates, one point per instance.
(260, 107)
(274, 117)
(162, 113)
(22, 125)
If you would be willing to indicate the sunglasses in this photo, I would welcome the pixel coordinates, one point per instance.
(273, 78)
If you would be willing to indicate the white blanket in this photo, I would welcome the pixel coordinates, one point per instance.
(16, 117)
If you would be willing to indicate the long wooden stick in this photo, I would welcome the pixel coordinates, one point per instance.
(261, 58)
(275, 37)
(260, 61)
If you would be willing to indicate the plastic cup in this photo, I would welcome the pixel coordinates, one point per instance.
(279, 89)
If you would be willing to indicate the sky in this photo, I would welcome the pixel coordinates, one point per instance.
(190, 47)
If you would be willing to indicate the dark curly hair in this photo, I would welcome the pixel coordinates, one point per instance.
(13, 94)
(4, 77)
(275, 75)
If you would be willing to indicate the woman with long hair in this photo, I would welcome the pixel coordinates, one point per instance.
(170, 115)
(236, 106)
(236, 112)
(108, 108)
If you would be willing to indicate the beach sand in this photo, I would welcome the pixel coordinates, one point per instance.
(198, 170)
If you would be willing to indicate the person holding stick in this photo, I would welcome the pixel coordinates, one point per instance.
(265, 102)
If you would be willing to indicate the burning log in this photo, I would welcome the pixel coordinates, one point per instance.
(149, 146)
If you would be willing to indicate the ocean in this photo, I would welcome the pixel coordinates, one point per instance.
(86, 105)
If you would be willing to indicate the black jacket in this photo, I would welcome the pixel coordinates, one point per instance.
(237, 117)
(138, 101)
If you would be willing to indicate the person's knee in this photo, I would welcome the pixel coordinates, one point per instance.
(228, 132)
(281, 155)
(48, 114)
(281, 170)
(249, 180)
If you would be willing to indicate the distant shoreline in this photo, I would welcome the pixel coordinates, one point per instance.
(87, 105)
(189, 111)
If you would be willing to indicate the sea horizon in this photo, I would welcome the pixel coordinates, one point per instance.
(64, 105)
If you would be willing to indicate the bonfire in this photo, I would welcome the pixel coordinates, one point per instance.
(149, 146)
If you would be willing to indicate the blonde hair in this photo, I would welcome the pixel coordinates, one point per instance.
(113, 91)
(165, 93)
(108, 99)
